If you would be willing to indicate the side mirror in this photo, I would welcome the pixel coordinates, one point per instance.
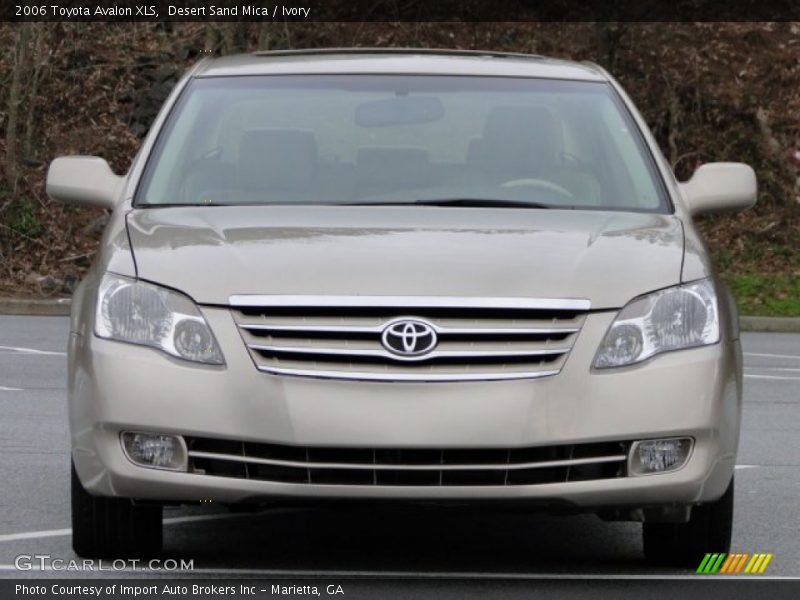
(721, 187)
(84, 180)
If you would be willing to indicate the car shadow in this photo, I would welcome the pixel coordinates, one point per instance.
(409, 540)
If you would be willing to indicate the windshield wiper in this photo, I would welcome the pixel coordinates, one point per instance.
(465, 202)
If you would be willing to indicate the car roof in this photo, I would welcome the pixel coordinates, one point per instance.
(397, 61)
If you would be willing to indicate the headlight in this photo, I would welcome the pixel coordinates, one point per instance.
(142, 313)
(684, 316)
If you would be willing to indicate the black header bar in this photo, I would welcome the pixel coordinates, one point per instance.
(399, 10)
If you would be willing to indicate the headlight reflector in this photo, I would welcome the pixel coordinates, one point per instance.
(622, 345)
(684, 316)
(142, 313)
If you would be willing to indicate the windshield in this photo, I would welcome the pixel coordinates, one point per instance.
(396, 139)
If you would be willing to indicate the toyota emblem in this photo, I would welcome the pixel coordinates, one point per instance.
(409, 338)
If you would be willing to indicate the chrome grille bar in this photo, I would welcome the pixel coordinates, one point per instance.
(348, 352)
(400, 467)
(319, 373)
(477, 331)
(257, 301)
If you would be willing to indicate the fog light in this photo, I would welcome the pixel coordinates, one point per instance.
(659, 456)
(155, 450)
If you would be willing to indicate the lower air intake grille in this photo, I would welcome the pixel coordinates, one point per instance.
(407, 467)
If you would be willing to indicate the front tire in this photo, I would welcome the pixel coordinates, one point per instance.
(113, 527)
(685, 544)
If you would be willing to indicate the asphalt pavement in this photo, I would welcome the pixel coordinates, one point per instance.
(385, 542)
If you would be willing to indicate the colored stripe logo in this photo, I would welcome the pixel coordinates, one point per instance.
(734, 563)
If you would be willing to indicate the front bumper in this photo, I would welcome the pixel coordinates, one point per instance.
(116, 387)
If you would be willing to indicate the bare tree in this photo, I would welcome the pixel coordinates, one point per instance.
(608, 37)
(14, 100)
(235, 36)
(211, 43)
(39, 55)
(265, 36)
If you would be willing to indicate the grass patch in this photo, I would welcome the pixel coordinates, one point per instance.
(24, 220)
(772, 295)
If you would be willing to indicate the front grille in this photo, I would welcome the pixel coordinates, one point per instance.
(479, 339)
(407, 467)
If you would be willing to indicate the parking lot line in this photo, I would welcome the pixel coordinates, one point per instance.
(20, 350)
(794, 356)
(32, 535)
(749, 376)
(9, 389)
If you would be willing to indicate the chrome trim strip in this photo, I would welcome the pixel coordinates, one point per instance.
(418, 377)
(438, 328)
(379, 353)
(432, 467)
(257, 301)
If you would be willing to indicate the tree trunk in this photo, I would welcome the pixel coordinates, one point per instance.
(14, 100)
(264, 36)
(212, 39)
(38, 63)
(607, 38)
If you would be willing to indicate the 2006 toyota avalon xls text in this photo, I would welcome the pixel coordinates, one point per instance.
(403, 275)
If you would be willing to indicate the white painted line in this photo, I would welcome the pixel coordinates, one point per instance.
(786, 369)
(32, 535)
(34, 351)
(748, 376)
(747, 466)
(9, 389)
(796, 357)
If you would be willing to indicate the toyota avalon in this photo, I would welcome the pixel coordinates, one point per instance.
(403, 275)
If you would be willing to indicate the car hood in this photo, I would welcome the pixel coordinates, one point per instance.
(211, 253)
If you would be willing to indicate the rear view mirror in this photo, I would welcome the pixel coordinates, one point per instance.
(401, 110)
(84, 180)
(721, 187)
